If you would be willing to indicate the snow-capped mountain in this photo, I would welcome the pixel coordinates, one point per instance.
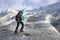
(38, 14)
(41, 13)
(37, 24)
(50, 13)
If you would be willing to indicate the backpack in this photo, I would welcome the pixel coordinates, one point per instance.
(16, 17)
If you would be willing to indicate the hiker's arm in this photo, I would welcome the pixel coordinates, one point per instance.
(22, 17)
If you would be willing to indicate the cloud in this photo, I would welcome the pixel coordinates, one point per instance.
(3, 6)
(58, 0)
(43, 2)
(28, 4)
(13, 4)
(17, 1)
(52, 1)
(21, 7)
(35, 1)
(28, 7)
(18, 4)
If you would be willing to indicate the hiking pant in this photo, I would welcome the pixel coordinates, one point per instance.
(18, 26)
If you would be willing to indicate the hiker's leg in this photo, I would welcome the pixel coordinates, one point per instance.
(16, 27)
(22, 26)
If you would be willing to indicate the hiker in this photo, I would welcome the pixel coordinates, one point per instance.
(19, 19)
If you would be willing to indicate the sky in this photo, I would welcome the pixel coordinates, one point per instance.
(24, 4)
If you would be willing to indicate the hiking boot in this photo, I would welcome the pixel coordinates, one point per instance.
(21, 31)
(15, 32)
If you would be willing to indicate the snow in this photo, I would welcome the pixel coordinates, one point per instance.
(43, 32)
(35, 30)
(48, 33)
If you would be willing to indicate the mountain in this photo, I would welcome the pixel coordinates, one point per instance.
(50, 13)
(38, 30)
(38, 24)
(53, 10)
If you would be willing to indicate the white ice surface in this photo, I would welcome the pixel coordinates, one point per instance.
(45, 32)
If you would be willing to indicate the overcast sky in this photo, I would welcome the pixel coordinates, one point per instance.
(21, 4)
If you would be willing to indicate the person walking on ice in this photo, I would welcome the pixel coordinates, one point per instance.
(19, 17)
